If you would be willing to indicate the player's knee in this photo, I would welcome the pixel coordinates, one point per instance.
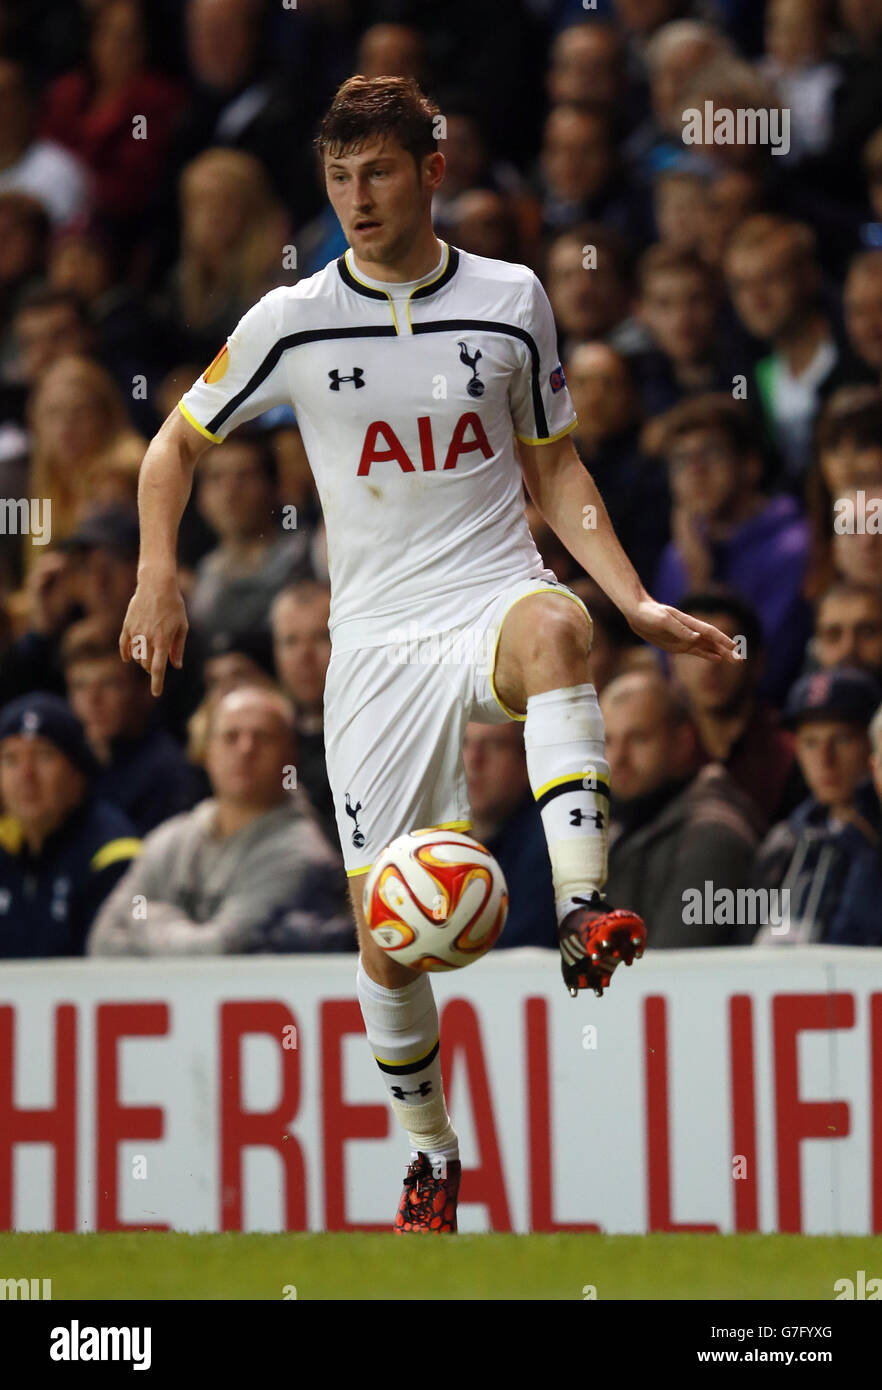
(562, 627)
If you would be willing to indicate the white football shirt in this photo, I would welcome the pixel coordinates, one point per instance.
(408, 398)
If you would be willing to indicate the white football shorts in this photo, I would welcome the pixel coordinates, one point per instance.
(395, 716)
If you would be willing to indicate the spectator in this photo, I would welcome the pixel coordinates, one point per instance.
(231, 660)
(674, 54)
(233, 231)
(848, 629)
(302, 648)
(849, 456)
(672, 827)
(726, 531)
(680, 202)
(587, 68)
(732, 196)
(797, 63)
(580, 175)
(679, 304)
(774, 281)
(607, 439)
(85, 452)
(828, 848)
(392, 50)
(84, 260)
(506, 820)
(61, 849)
(862, 303)
(29, 164)
(238, 496)
(856, 548)
(47, 324)
(212, 879)
(484, 223)
(735, 727)
(141, 768)
(91, 110)
(24, 240)
(589, 285)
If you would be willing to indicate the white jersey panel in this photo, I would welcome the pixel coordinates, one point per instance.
(408, 414)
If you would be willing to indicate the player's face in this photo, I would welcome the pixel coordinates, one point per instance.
(380, 198)
(834, 757)
(248, 750)
(849, 632)
(38, 784)
(302, 647)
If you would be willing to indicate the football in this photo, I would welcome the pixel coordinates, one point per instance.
(435, 899)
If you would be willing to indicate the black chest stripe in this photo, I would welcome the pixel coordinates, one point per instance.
(317, 335)
(292, 340)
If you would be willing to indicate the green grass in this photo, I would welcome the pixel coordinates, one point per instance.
(366, 1266)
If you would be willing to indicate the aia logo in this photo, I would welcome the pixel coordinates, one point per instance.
(468, 437)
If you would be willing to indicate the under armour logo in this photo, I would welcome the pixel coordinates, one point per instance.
(357, 835)
(357, 376)
(475, 387)
(422, 1090)
(577, 816)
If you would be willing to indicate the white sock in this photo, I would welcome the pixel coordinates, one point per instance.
(402, 1029)
(563, 736)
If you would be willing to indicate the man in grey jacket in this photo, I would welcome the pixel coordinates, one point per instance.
(673, 830)
(210, 881)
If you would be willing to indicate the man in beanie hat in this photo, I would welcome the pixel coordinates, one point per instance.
(830, 843)
(61, 850)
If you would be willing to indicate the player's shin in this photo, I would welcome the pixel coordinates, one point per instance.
(569, 775)
(402, 1029)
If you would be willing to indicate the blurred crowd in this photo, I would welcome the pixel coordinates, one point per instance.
(720, 315)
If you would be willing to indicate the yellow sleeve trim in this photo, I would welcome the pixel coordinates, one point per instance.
(126, 848)
(550, 439)
(215, 438)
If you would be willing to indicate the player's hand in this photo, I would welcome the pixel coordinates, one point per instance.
(155, 627)
(674, 631)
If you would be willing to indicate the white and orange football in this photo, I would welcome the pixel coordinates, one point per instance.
(435, 899)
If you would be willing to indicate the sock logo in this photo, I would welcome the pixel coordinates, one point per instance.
(577, 816)
(422, 1090)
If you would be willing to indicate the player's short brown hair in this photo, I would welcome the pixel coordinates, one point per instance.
(371, 108)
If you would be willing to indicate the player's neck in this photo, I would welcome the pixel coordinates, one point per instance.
(420, 259)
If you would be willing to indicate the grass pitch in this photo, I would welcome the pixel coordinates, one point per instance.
(156, 1265)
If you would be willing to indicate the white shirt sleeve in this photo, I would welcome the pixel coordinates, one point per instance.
(246, 377)
(540, 402)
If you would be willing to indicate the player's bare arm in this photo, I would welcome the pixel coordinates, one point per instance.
(567, 498)
(155, 627)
